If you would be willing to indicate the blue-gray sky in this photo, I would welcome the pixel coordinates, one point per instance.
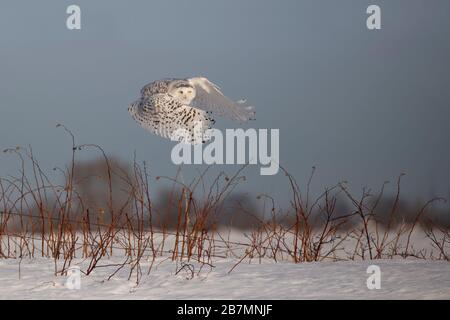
(359, 105)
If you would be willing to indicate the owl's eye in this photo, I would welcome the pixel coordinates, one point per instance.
(181, 91)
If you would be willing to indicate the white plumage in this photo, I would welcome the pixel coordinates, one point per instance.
(182, 109)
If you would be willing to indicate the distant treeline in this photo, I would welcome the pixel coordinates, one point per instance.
(101, 198)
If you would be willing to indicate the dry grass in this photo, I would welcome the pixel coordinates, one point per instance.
(42, 219)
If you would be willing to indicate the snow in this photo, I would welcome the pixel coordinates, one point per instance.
(410, 278)
(400, 279)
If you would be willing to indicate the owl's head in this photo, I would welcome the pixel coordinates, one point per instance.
(182, 91)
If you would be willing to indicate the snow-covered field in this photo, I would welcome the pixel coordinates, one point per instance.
(400, 279)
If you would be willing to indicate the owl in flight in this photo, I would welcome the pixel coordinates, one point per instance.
(183, 109)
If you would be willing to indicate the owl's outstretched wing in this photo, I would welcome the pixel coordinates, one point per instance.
(210, 98)
(168, 118)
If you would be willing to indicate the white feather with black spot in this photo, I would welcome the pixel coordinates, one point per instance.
(168, 118)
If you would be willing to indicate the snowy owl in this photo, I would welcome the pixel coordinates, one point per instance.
(182, 109)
